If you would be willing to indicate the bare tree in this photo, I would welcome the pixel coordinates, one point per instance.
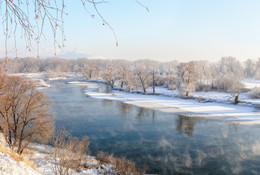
(24, 113)
(204, 73)
(143, 77)
(90, 70)
(122, 75)
(186, 78)
(230, 65)
(109, 74)
(257, 72)
(131, 82)
(213, 74)
(250, 68)
(153, 69)
(235, 87)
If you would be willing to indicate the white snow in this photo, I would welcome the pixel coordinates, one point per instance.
(251, 83)
(8, 166)
(30, 75)
(39, 156)
(57, 78)
(38, 77)
(236, 113)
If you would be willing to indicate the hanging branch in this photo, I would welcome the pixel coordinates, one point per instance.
(32, 16)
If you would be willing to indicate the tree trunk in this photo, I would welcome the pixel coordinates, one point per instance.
(236, 99)
(21, 140)
(144, 89)
(153, 83)
(122, 84)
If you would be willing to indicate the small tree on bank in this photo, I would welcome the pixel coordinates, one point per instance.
(24, 113)
(143, 78)
(122, 75)
(235, 88)
(109, 75)
(186, 78)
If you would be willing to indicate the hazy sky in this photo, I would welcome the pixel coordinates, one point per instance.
(173, 29)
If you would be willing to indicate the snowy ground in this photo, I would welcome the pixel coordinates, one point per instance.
(8, 166)
(251, 83)
(39, 156)
(39, 77)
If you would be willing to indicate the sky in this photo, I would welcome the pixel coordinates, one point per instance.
(172, 30)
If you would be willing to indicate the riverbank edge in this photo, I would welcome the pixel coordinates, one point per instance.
(179, 111)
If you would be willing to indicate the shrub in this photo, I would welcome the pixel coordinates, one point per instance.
(122, 165)
(171, 87)
(68, 153)
(203, 87)
(254, 93)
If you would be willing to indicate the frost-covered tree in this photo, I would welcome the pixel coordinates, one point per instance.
(186, 78)
(90, 70)
(204, 74)
(123, 74)
(143, 77)
(230, 65)
(131, 82)
(153, 69)
(250, 68)
(109, 74)
(254, 93)
(235, 87)
(213, 74)
(257, 72)
(222, 71)
(168, 68)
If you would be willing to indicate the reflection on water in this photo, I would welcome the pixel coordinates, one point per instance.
(167, 143)
(186, 124)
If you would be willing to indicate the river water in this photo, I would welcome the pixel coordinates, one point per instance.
(166, 142)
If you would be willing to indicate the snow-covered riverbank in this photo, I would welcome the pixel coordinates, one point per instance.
(205, 104)
(242, 114)
(37, 160)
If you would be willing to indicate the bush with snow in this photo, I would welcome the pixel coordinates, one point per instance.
(254, 93)
(171, 87)
(200, 86)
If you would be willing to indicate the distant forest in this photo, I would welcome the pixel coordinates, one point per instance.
(226, 75)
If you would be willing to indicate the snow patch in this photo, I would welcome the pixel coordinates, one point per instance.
(9, 166)
(250, 84)
(57, 78)
(236, 113)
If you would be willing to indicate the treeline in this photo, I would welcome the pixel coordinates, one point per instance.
(223, 75)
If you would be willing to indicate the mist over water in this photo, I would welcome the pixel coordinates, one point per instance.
(167, 143)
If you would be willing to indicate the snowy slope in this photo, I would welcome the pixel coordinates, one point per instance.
(8, 166)
(39, 157)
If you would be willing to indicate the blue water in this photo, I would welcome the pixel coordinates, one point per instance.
(166, 142)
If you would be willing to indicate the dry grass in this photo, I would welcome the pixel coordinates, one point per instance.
(122, 165)
(28, 151)
(69, 153)
(17, 157)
